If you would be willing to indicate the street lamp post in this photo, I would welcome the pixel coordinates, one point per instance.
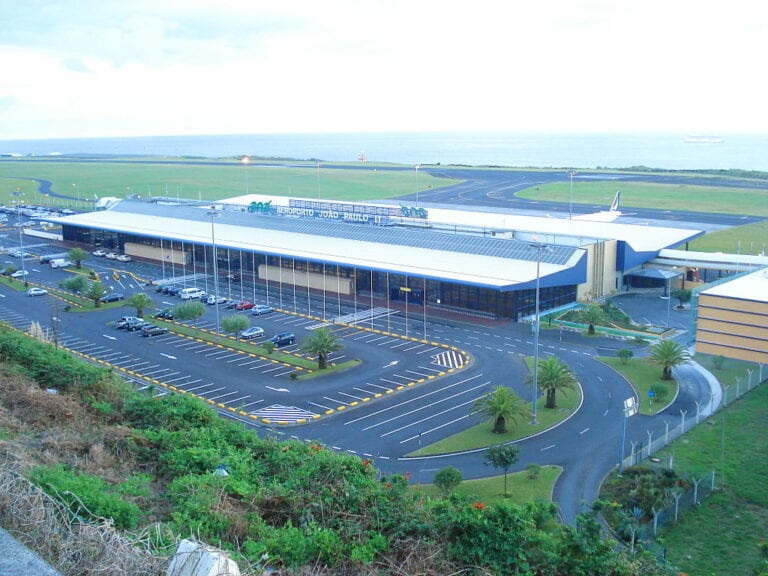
(245, 161)
(417, 184)
(571, 174)
(630, 409)
(538, 247)
(213, 214)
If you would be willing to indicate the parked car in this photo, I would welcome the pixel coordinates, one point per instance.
(110, 256)
(19, 273)
(233, 277)
(192, 294)
(123, 258)
(100, 253)
(213, 299)
(113, 297)
(283, 338)
(165, 314)
(174, 290)
(35, 291)
(136, 324)
(125, 320)
(243, 305)
(252, 332)
(153, 330)
(260, 309)
(231, 304)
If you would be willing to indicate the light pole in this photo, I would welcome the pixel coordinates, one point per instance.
(538, 247)
(571, 174)
(417, 184)
(630, 409)
(21, 242)
(214, 214)
(245, 163)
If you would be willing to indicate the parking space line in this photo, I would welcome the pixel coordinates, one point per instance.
(197, 387)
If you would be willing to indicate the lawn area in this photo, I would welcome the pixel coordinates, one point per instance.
(644, 377)
(723, 200)
(521, 488)
(747, 239)
(182, 178)
(721, 537)
(481, 436)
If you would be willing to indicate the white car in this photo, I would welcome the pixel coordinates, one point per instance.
(110, 256)
(20, 273)
(252, 332)
(37, 291)
(100, 253)
(123, 258)
(213, 299)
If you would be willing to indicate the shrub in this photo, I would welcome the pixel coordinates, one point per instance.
(86, 495)
(533, 471)
(448, 479)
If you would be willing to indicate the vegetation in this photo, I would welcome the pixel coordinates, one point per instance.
(714, 198)
(592, 314)
(447, 479)
(683, 295)
(553, 376)
(76, 284)
(77, 255)
(321, 343)
(730, 449)
(502, 405)
(234, 323)
(624, 355)
(502, 456)
(284, 505)
(188, 178)
(141, 302)
(189, 311)
(95, 292)
(668, 354)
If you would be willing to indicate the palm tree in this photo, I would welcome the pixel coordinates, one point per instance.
(96, 291)
(668, 354)
(554, 376)
(591, 315)
(77, 255)
(141, 302)
(502, 405)
(321, 343)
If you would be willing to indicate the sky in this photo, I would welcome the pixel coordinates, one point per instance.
(97, 68)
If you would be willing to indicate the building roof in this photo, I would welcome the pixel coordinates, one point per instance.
(752, 287)
(640, 238)
(479, 260)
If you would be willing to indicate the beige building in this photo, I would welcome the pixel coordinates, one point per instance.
(732, 318)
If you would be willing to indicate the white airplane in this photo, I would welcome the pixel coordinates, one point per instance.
(604, 215)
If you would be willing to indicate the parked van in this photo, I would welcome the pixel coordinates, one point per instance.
(191, 293)
(61, 263)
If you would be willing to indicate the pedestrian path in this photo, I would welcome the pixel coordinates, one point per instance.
(361, 315)
(280, 413)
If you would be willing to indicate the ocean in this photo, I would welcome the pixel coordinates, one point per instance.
(541, 150)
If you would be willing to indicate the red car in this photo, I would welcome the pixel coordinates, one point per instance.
(243, 305)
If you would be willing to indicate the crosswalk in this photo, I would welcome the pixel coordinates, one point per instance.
(280, 413)
(449, 359)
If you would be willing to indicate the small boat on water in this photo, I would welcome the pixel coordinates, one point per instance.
(696, 139)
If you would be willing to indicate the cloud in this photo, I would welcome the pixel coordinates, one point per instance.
(149, 67)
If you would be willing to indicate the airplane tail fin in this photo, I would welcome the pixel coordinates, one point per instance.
(616, 200)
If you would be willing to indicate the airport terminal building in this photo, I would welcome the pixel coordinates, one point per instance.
(479, 263)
